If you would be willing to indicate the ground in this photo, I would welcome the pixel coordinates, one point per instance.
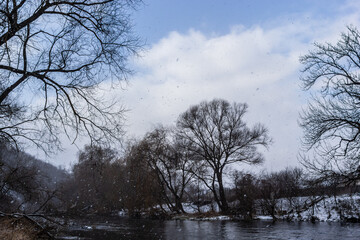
(20, 228)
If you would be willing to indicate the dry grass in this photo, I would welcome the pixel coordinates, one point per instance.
(205, 214)
(12, 228)
(199, 216)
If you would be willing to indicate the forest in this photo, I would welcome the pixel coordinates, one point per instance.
(186, 170)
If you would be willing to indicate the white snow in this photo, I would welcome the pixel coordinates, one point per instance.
(263, 217)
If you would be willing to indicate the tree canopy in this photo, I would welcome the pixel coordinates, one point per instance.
(332, 120)
(215, 132)
(53, 57)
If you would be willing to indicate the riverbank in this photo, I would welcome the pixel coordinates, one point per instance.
(127, 228)
(344, 208)
(21, 228)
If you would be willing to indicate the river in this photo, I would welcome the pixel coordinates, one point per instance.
(125, 228)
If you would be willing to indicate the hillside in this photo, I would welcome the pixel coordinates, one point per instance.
(27, 184)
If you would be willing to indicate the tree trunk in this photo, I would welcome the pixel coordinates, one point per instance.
(213, 189)
(224, 204)
(178, 205)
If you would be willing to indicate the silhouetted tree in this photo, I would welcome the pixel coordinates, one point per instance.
(143, 192)
(291, 182)
(246, 192)
(53, 57)
(172, 166)
(215, 133)
(27, 185)
(331, 121)
(269, 193)
(96, 180)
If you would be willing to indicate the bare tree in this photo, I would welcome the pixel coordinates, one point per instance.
(291, 182)
(96, 180)
(53, 57)
(215, 133)
(269, 192)
(246, 192)
(25, 185)
(19, 186)
(172, 166)
(332, 120)
(143, 191)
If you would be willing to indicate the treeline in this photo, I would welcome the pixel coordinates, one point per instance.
(167, 171)
(102, 182)
(207, 140)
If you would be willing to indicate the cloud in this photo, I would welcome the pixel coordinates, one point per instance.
(253, 64)
(258, 65)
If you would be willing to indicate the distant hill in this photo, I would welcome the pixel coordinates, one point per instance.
(27, 184)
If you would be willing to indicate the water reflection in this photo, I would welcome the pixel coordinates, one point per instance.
(259, 230)
(124, 228)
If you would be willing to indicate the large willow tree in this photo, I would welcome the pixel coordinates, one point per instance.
(216, 134)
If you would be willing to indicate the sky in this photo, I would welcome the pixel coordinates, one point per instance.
(243, 51)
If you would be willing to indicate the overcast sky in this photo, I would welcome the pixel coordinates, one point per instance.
(238, 50)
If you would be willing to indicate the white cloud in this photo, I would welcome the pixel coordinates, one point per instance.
(256, 65)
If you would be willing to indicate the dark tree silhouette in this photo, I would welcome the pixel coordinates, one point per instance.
(142, 190)
(246, 192)
(54, 54)
(27, 185)
(173, 167)
(332, 120)
(95, 179)
(214, 132)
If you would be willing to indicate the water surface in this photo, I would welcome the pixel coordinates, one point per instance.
(125, 228)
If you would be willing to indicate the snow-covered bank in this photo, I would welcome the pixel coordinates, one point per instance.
(203, 217)
(330, 209)
(344, 208)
